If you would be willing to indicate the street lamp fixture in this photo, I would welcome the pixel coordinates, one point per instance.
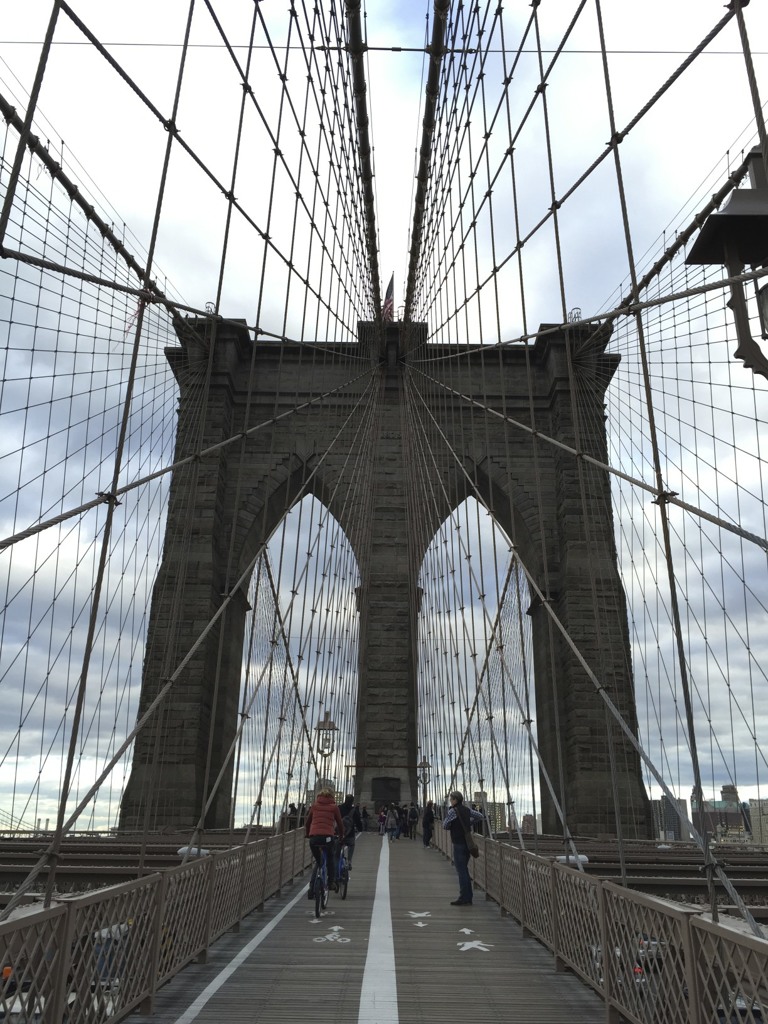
(735, 236)
(423, 777)
(326, 736)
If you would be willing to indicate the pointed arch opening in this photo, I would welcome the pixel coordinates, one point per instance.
(299, 668)
(476, 723)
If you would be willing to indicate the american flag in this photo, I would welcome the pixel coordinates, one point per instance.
(388, 309)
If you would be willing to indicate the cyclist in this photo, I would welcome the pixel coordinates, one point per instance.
(353, 824)
(322, 824)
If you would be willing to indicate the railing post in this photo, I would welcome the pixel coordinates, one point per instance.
(524, 897)
(281, 868)
(262, 893)
(606, 956)
(60, 984)
(241, 893)
(484, 856)
(148, 1003)
(211, 881)
(555, 915)
(690, 953)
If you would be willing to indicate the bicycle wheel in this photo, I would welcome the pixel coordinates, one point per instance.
(344, 881)
(321, 896)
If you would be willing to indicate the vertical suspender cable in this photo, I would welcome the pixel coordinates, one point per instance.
(357, 49)
(436, 50)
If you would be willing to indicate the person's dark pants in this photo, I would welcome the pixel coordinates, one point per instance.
(427, 831)
(461, 860)
(350, 845)
(317, 844)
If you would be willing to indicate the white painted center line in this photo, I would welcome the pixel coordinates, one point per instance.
(378, 997)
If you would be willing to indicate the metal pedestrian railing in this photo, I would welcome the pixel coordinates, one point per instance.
(92, 959)
(653, 961)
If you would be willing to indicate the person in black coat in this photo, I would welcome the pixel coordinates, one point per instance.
(428, 823)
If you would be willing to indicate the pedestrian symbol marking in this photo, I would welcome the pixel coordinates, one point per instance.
(474, 944)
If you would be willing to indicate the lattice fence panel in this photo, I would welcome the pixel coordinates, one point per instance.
(538, 898)
(182, 934)
(111, 965)
(227, 882)
(272, 870)
(254, 874)
(30, 952)
(647, 968)
(491, 855)
(296, 855)
(510, 865)
(577, 900)
(732, 974)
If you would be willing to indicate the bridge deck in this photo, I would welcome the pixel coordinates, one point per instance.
(436, 962)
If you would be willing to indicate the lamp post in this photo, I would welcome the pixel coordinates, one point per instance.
(325, 743)
(423, 777)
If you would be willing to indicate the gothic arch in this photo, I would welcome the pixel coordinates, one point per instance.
(246, 487)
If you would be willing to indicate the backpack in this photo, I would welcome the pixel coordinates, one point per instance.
(413, 814)
(348, 822)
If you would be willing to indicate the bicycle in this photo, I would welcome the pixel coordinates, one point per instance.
(342, 874)
(319, 883)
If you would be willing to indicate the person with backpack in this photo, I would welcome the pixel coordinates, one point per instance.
(353, 823)
(458, 821)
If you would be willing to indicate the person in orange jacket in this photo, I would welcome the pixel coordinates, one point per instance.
(321, 827)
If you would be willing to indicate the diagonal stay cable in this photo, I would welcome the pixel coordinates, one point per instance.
(486, 615)
(106, 498)
(612, 708)
(168, 685)
(170, 126)
(361, 428)
(660, 495)
(611, 147)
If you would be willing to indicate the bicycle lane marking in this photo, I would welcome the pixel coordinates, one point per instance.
(194, 1009)
(378, 996)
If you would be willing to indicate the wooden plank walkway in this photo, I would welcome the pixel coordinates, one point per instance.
(394, 952)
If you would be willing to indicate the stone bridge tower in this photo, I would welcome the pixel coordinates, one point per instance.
(244, 488)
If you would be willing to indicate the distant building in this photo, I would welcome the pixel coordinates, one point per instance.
(311, 794)
(496, 813)
(758, 813)
(528, 827)
(727, 818)
(666, 819)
